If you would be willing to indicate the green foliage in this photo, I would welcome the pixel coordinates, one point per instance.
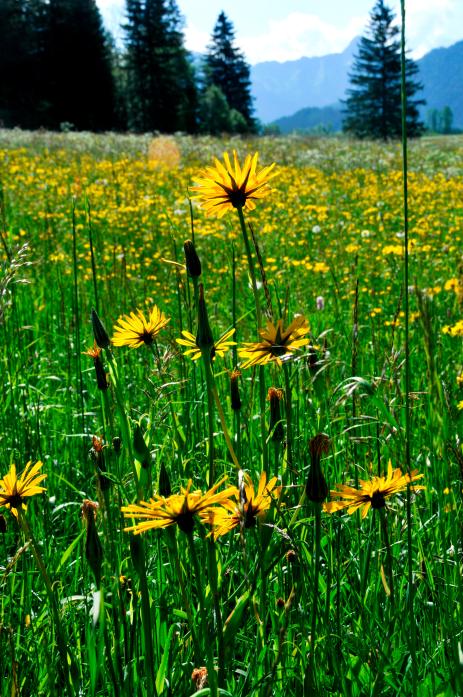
(440, 121)
(226, 68)
(215, 115)
(246, 604)
(161, 92)
(373, 105)
(55, 65)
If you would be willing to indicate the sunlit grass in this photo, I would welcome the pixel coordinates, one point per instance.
(105, 227)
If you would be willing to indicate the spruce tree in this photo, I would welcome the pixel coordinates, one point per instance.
(80, 87)
(21, 62)
(226, 68)
(373, 105)
(160, 78)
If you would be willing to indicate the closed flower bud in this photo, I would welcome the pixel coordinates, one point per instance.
(140, 448)
(93, 547)
(164, 482)
(97, 455)
(234, 390)
(316, 487)
(192, 262)
(99, 331)
(101, 377)
(204, 338)
(137, 554)
(276, 426)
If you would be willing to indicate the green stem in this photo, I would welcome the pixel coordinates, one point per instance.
(157, 357)
(186, 601)
(411, 590)
(203, 612)
(123, 419)
(252, 271)
(313, 630)
(385, 534)
(262, 395)
(206, 353)
(147, 624)
(213, 580)
(68, 664)
(289, 429)
(212, 391)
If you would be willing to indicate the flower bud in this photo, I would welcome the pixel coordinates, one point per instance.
(234, 390)
(275, 429)
(192, 262)
(316, 487)
(93, 548)
(204, 338)
(97, 455)
(164, 487)
(101, 377)
(140, 448)
(137, 554)
(99, 331)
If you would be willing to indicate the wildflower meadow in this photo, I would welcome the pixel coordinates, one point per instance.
(232, 404)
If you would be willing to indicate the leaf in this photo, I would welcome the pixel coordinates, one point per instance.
(233, 621)
(162, 670)
(68, 552)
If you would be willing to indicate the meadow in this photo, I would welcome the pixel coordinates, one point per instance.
(269, 584)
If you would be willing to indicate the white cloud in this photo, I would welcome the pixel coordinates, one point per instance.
(430, 24)
(195, 39)
(300, 34)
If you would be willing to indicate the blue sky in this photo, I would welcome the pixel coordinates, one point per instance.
(288, 29)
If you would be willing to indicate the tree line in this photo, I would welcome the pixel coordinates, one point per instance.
(61, 69)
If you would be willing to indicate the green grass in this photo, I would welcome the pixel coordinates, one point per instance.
(244, 607)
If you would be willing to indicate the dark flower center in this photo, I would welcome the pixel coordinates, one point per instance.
(147, 338)
(378, 500)
(250, 517)
(237, 198)
(15, 500)
(185, 521)
(278, 350)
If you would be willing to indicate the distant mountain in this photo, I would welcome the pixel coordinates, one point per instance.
(441, 72)
(287, 93)
(322, 119)
(280, 89)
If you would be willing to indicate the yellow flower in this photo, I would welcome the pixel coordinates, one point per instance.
(220, 347)
(372, 493)
(278, 343)
(460, 405)
(226, 186)
(250, 506)
(134, 330)
(179, 509)
(14, 489)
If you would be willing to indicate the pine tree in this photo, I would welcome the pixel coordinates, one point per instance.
(80, 86)
(373, 105)
(21, 57)
(226, 68)
(162, 90)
